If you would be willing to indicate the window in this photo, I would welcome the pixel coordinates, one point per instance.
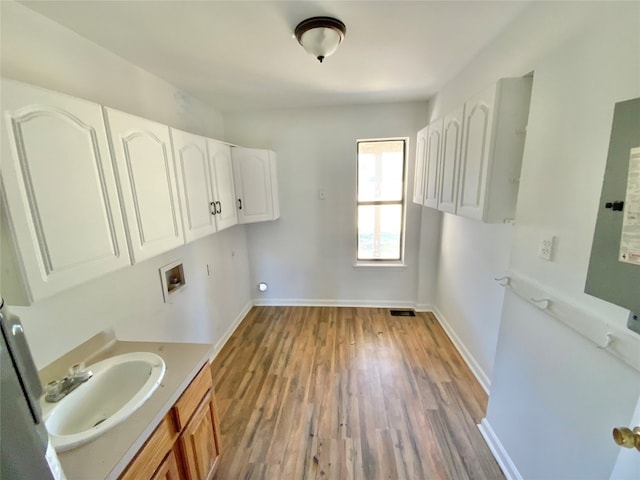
(380, 208)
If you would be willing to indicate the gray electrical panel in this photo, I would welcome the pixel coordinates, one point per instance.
(614, 268)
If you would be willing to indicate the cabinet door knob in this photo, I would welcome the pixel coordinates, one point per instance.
(213, 210)
(219, 207)
(239, 204)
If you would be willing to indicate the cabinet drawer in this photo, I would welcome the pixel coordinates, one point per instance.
(153, 452)
(190, 399)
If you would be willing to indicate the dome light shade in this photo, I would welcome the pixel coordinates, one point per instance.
(320, 36)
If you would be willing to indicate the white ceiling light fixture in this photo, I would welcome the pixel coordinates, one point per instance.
(320, 36)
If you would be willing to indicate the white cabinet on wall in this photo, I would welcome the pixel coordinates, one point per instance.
(60, 192)
(419, 171)
(224, 194)
(256, 182)
(481, 146)
(432, 164)
(192, 174)
(493, 142)
(144, 160)
(450, 160)
(205, 182)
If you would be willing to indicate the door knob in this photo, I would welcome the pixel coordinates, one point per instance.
(625, 437)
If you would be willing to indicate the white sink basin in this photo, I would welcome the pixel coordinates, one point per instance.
(119, 386)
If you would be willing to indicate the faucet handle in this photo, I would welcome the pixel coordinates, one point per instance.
(53, 391)
(80, 372)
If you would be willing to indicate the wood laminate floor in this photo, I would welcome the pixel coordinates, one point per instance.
(347, 393)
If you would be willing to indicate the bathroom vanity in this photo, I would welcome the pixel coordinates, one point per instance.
(174, 434)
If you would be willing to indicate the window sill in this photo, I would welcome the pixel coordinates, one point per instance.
(381, 263)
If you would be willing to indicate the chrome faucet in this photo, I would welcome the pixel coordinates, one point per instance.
(56, 390)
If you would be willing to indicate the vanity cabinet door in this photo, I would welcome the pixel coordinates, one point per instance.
(168, 469)
(62, 206)
(144, 160)
(200, 443)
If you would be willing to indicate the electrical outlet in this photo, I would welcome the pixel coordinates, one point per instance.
(546, 248)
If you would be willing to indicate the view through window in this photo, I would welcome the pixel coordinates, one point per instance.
(380, 210)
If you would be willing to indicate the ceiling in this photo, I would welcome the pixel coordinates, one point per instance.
(242, 54)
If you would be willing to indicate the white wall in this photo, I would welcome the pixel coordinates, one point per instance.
(39, 51)
(468, 300)
(307, 255)
(554, 395)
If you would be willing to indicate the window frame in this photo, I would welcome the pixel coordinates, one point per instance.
(383, 262)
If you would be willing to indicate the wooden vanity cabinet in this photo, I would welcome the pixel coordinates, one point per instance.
(168, 469)
(186, 444)
(195, 415)
(199, 442)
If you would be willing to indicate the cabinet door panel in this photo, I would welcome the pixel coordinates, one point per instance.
(419, 171)
(432, 161)
(252, 175)
(168, 469)
(142, 150)
(192, 172)
(450, 158)
(59, 188)
(200, 444)
(221, 169)
(475, 154)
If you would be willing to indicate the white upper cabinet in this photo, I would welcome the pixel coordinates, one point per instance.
(205, 183)
(495, 123)
(256, 182)
(144, 160)
(60, 192)
(221, 174)
(432, 164)
(479, 146)
(192, 173)
(478, 121)
(418, 180)
(449, 162)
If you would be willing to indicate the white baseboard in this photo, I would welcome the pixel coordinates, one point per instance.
(424, 307)
(471, 362)
(232, 328)
(288, 302)
(500, 454)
